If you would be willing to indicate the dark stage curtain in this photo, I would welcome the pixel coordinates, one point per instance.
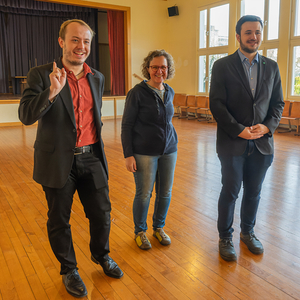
(4, 72)
(32, 33)
(116, 48)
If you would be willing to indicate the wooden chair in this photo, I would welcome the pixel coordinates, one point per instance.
(295, 115)
(286, 116)
(190, 101)
(291, 113)
(191, 109)
(203, 108)
(179, 100)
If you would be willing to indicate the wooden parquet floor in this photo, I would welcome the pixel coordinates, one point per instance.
(190, 268)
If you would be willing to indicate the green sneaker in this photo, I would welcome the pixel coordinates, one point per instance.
(142, 241)
(163, 238)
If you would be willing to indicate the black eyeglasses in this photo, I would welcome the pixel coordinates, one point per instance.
(156, 68)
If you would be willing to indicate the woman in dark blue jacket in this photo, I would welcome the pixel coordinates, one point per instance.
(150, 144)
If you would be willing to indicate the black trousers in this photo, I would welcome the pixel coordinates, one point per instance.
(89, 179)
(250, 170)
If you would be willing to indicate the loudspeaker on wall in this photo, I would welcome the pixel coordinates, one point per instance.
(173, 11)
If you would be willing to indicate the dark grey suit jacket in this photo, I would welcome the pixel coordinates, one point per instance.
(56, 132)
(234, 107)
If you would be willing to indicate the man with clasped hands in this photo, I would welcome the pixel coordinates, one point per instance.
(247, 102)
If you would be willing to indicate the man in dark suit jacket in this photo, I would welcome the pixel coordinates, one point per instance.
(247, 102)
(66, 98)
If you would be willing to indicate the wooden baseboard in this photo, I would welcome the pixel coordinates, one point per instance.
(6, 124)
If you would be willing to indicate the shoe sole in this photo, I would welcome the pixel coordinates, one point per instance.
(76, 296)
(144, 248)
(228, 258)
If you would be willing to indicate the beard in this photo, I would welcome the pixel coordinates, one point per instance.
(67, 56)
(74, 63)
(245, 48)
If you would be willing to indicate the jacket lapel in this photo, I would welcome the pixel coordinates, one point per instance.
(66, 97)
(65, 94)
(261, 71)
(240, 70)
(95, 84)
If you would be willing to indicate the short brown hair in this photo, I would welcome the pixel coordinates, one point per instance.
(157, 53)
(247, 18)
(63, 27)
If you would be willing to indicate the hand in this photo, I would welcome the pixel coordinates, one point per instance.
(58, 79)
(260, 128)
(254, 132)
(130, 164)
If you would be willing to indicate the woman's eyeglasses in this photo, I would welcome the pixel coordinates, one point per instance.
(156, 68)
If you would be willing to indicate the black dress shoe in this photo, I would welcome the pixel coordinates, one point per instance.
(252, 242)
(109, 266)
(226, 250)
(74, 284)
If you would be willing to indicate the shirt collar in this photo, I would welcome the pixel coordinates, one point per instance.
(86, 70)
(243, 57)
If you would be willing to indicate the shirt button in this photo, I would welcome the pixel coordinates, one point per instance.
(79, 140)
(80, 125)
(80, 96)
(254, 104)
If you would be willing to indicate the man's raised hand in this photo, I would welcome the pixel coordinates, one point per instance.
(58, 79)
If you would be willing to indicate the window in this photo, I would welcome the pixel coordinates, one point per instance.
(212, 59)
(297, 18)
(253, 7)
(213, 41)
(203, 28)
(272, 53)
(296, 72)
(294, 80)
(273, 19)
(202, 74)
(219, 25)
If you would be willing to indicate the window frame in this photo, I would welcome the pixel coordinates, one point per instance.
(207, 51)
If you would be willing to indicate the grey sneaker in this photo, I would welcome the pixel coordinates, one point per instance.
(163, 238)
(252, 242)
(226, 250)
(142, 241)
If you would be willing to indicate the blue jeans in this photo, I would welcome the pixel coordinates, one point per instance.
(159, 169)
(249, 168)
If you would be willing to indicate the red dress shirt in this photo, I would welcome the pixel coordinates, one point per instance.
(83, 107)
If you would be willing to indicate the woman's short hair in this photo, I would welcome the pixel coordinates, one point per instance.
(247, 18)
(63, 28)
(158, 53)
